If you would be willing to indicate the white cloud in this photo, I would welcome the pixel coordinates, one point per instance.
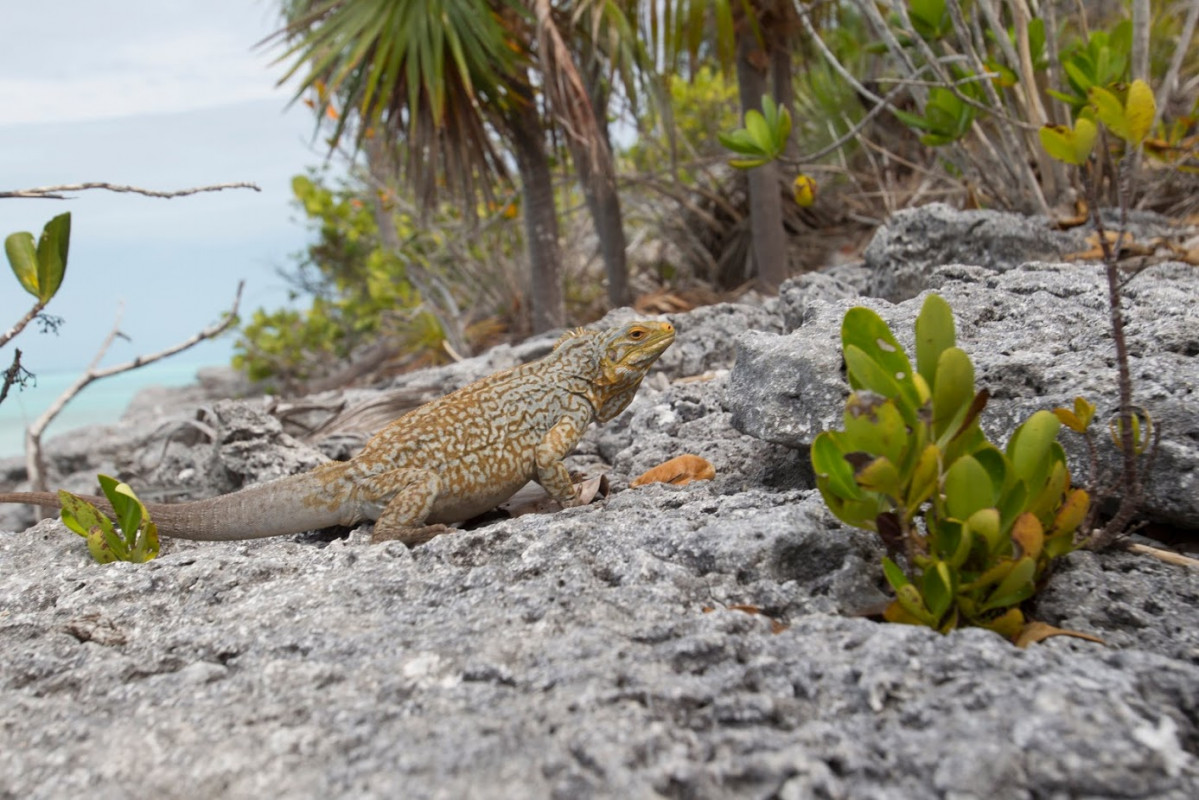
(136, 57)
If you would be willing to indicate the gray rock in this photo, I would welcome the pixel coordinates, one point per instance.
(1038, 336)
(607, 651)
(914, 242)
(694, 641)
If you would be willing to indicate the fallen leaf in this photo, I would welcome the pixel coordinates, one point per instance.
(590, 488)
(662, 302)
(1034, 632)
(678, 471)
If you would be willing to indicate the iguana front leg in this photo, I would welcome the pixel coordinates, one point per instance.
(551, 472)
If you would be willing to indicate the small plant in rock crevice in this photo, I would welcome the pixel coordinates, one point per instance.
(133, 538)
(978, 526)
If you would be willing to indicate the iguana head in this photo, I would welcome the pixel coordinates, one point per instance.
(626, 354)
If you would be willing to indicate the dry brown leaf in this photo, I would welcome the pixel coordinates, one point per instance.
(532, 499)
(1082, 215)
(1034, 632)
(661, 302)
(678, 471)
(588, 489)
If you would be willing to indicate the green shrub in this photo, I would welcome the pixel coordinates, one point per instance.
(978, 526)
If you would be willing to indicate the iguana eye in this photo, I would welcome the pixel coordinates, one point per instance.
(637, 334)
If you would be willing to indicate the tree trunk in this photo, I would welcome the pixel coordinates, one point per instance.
(765, 202)
(603, 201)
(541, 218)
(784, 90)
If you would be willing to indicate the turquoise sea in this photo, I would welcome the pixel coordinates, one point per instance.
(101, 403)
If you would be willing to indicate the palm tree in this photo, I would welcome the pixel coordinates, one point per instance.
(448, 82)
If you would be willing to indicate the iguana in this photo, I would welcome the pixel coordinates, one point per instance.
(446, 461)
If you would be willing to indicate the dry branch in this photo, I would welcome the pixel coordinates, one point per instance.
(34, 461)
(56, 192)
(21, 323)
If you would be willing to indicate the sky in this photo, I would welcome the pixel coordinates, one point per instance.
(162, 95)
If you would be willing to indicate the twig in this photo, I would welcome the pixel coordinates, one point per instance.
(21, 323)
(1168, 556)
(56, 192)
(34, 461)
(13, 375)
(1169, 85)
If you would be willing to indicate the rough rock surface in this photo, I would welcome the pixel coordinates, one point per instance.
(913, 243)
(1038, 335)
(694, 641)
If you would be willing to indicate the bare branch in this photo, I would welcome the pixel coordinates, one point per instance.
(34, 460)
(14, 374)
(56, 192)
(21, 323)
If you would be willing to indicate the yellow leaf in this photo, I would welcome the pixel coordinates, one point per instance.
(804, 188)
(1085, 132)
(678, 471)
(1028, 533)
(1073, 510)
(1139, 111)
(1110, 112)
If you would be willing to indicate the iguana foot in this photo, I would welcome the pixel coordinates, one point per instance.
(411, 536)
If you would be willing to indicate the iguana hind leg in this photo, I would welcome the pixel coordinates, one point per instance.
(407, 497)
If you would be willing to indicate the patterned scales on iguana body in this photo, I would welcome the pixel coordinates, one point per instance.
(446, 461)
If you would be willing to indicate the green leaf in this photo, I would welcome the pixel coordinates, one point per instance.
(125, 505)
(52, 250)
(747, 163)
(828, 461)
(881, 359)
(1015, 588)
(986, 523)
(953, 393)
(1029, 447)
(22, 257)
(995, 463)
(874, 425)
(952, 541)
(967, 488)
(894, 574)
(938, 588)
(934, 334)
(79, 515)
(739, 141)
(758, 130)
(924, 477)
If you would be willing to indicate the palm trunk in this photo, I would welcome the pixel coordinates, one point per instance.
(765, 202)
(541, 218)
(603, 201)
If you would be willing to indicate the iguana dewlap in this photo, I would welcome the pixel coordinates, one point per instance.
(446, 461)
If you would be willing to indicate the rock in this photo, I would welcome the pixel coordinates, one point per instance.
(914, 242)
(673, 641)
(1038, 336)
(695, 641)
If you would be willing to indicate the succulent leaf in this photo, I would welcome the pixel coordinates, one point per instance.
(934, 335)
